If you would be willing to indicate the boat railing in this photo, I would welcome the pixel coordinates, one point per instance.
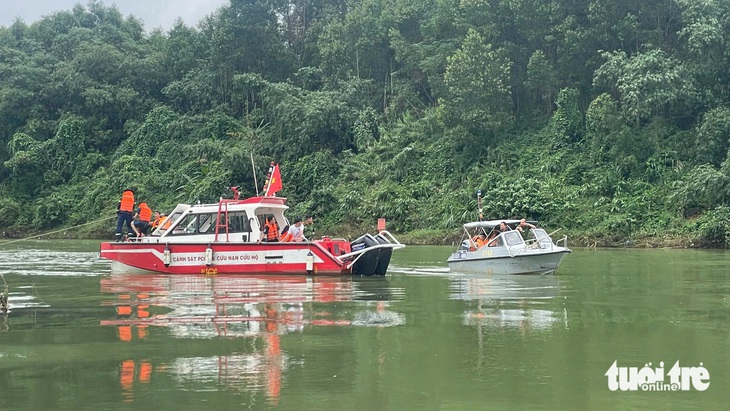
(536, 243)
(356, 255)
(564, 242)
(388, 236)
(557, 243)
(532, 243)
(325, 238)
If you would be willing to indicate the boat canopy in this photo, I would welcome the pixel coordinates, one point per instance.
(489, 224)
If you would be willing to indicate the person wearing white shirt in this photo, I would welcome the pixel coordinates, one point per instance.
(297, 231)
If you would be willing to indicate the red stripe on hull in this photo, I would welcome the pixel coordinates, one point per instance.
(255, 258)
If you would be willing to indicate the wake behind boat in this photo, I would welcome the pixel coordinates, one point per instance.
(505, 251)
(227, 238)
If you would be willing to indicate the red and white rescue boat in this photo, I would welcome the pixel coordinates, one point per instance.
(227, 238)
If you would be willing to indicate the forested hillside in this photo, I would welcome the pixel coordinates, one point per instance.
(610, 119)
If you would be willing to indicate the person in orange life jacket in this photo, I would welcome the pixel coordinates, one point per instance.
(271, 230)
(160, 220)
(156, 222)
(124, 213)
(142, 219)
(286, 235)
(476, 242)
(480, 240)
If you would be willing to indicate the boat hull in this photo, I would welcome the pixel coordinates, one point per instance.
(222, 258)
(535, 263)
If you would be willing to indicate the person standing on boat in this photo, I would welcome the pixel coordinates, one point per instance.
(142, 219)
(271, 230)
(524, 224)
(308, 220)
(124, 213)
(297, 231)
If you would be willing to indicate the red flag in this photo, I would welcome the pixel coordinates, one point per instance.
(274, 183)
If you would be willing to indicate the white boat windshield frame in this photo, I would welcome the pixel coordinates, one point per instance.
(512, 238)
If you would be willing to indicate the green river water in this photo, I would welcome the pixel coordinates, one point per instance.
(422, 338)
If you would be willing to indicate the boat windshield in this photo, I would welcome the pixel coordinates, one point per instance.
(513, 238)
(195, 224)
(542, 237)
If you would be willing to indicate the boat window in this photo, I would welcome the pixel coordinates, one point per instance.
(170, 219)
(166, 224)
(541, 236)
(238, 222)
(513, 238)
(206, 223)
(189, 225)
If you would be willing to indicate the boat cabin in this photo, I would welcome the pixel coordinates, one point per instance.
(511, 239)
(226, 221)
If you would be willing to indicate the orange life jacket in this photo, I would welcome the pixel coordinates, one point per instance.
(286, 237)
(159, 221)
(145, 213)
(273, 231)
(127, 203)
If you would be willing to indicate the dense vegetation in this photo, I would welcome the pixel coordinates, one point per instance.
(610, 119)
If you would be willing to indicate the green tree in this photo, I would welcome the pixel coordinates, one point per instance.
(568, 119)
(477, 77)
(541, 80)
(713, 136)
(647, 84)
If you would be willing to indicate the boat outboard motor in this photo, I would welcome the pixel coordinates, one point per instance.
(367, 263)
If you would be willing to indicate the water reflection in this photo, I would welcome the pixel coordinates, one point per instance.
(521, 302)
(258, 310)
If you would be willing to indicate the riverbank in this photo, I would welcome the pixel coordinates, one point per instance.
(436, 237)
(417, 237)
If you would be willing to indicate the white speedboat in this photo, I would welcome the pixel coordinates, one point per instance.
(506, 251)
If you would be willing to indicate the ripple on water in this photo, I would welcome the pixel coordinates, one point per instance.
(50, 262)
